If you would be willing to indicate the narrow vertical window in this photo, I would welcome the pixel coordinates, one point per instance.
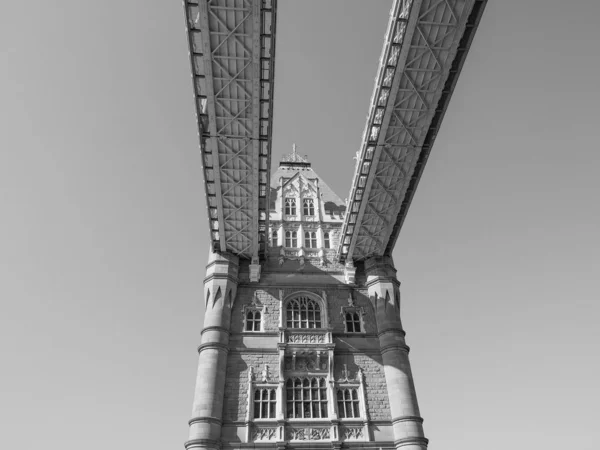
(265, 403)
(291, 239)
(347, 401)
(326, 241)
(274, 238)
(310, 239)
(352, 322)
(290, 206)
(308, 206)
(253, 321)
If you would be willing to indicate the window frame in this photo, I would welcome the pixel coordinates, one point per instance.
(355, 391)
(271, 402)
(291, 317)
(289, 206)
(253, 310)
(358, 310)
(326, 239)
(319, 404)
(291, 239)
(308, 207)
(310, 239)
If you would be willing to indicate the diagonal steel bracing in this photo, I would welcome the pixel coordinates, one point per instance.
(424, 49)
(232, 51)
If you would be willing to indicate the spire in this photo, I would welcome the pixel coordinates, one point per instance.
(294, 158)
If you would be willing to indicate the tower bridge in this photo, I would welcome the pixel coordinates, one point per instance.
(302, 345)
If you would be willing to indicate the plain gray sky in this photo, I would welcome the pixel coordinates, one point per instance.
(103, 237)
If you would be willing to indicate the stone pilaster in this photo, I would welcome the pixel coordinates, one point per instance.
(384, 292)
(220, 287)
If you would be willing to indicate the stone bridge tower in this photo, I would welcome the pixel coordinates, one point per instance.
(301, 351)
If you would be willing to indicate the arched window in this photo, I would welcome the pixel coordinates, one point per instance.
(253, 320)
(308, 207)
(310, 239)
(306, 398)
(352, 322)
(290, 206)
(291, 239)
(303, 312)
(265, 401)
(274, 237)
(326, 242)
(347, 403)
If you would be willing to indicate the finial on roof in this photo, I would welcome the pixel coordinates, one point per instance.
(294, 157)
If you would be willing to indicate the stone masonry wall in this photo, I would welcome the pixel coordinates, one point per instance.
(370, 361)
(235, 402)
(378, 406)
(268, 298)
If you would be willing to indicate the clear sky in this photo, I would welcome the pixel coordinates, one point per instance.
(103, 235)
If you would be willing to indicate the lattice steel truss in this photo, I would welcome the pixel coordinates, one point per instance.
(232, 51)
(423, 52)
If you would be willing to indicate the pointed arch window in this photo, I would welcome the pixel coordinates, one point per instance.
(326, 241)
(265, 402)
(303, 312)
(310, 239)
(308, 207)
(347, 403)
(291, 239)
(290, 206)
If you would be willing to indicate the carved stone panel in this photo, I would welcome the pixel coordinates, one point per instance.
(307, 434)
(305, 338)
(307, 362)
(260, 433)
(352, 433)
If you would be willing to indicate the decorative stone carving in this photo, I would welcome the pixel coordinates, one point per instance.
(306, 363)
(350, 273)
(346, 376)
(349, 433)
(307, 434)
(351, 302)
(305, 338)
(264, 433)
(255, 270)
(265, 374)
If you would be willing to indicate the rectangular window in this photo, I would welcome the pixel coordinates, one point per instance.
(253, 321)
(352, 322)
(310, 239)
(306, 398)
(265, 403)
(347, 402)
(326, 241)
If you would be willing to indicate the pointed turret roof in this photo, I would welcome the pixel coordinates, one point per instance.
(293, 164)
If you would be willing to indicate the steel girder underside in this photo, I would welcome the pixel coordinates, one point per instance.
(232, 51)
(424, 49)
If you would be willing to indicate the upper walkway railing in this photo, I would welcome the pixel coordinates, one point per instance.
(232, 54)
(424, 49)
